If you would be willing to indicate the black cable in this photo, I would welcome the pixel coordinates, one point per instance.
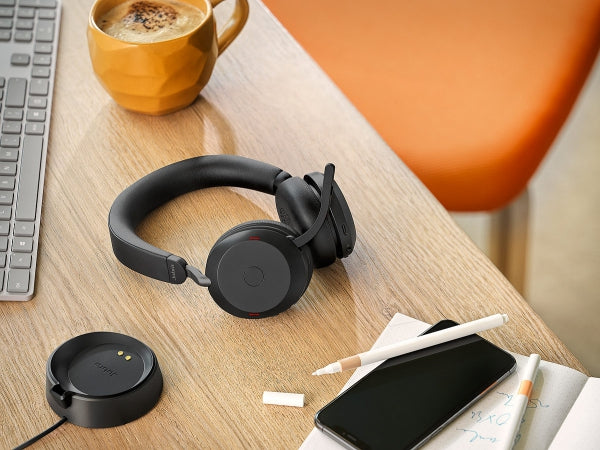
(41, 435)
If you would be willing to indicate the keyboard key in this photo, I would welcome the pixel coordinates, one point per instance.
(19, 59)
(36, 115)
(29, 178)
(7, 2)
(5, 214)
(7, 183)
(24, 24)
(4, 228)
(34, 128)
(9, 154)
(6, 23)
(10, 141)
(8, 168)
(22, 245)
(2, 264)
(5, 35)
(24, 228)
(26, 13)
(13, 114)
(39, 87)
(7, 12)
(38, 3)
(20, 261)
(47, 14)
(3, 244)
(42, 60)
(23, 36)
(37, 102)
(40, 72)
(6, 198)
(18, 280)
(42, 47)
(11, 127)
(15, 92)
(44, 32)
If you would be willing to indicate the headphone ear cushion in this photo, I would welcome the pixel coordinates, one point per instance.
(298, 206)
(256, 270)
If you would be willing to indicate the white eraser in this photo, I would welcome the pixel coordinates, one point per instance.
(283, 398)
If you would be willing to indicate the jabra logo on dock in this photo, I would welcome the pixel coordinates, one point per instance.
(105, 369)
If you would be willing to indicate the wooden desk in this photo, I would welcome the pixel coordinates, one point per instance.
(266, 100)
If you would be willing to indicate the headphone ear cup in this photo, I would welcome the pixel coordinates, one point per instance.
(256, 270)
(298, 206)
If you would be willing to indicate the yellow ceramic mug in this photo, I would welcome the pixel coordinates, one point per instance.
(160, 77)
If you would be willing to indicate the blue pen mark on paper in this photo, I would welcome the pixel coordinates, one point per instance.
(533, 402)
(493, 420)
(536, 403)
(509, 398)
(475, 436)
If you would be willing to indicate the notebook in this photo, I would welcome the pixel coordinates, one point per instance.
(563, 411)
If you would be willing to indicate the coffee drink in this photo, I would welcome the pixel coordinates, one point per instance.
(155, 56)
(145, 21)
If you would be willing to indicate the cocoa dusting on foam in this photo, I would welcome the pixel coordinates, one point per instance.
(146, 21)
(152, 16)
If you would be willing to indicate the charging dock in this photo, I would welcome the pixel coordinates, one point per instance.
(102, 379)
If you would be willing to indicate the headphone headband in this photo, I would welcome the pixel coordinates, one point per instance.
(163, 185)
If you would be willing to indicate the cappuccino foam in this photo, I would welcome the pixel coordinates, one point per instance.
(144, 21)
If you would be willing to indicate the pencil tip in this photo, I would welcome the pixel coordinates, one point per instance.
(315, 372)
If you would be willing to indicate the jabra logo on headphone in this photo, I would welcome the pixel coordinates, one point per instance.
(172, 273)
(105, 369)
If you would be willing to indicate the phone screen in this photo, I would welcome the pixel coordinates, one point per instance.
(407, 399)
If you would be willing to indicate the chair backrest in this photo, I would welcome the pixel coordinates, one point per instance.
(469, 93)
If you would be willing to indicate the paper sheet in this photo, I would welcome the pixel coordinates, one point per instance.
(482, 426)
(582, 416)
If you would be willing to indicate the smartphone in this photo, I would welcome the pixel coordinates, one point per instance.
(406, 400)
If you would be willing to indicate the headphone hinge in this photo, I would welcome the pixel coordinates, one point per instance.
(176, 269)
(280, 178)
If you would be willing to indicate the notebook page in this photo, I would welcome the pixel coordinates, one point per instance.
(485, 425)
(481, 427)
(581, 428)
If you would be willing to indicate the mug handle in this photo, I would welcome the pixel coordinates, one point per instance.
(234, 25)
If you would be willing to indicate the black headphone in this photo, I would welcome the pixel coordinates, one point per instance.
(256, 269)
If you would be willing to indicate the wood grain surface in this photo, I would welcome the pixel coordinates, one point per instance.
(266, 100)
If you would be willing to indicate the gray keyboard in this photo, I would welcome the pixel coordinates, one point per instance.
(28, 44)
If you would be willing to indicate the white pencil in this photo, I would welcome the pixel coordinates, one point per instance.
(413, 344)
(521, 398)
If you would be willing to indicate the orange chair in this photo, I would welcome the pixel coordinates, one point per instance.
(470, 94)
